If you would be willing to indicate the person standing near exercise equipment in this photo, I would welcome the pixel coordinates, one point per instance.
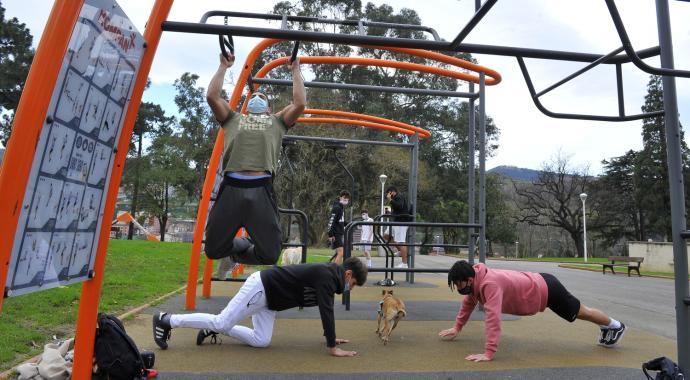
(401, 213)
(251, 150)
(336, 225)
(367, 236)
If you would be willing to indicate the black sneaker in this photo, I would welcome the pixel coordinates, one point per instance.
(603, 334)
(161, 329)
(614, 336)
(205, 333)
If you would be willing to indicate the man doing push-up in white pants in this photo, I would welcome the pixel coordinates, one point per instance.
(265, 293)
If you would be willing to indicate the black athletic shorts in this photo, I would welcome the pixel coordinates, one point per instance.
(560, 300)
(337, 242)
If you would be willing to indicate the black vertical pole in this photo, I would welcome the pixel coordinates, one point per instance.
(676, 187)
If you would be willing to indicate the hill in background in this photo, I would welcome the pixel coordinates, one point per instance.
(515, 173)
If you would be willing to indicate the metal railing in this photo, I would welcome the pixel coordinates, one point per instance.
(348, 243)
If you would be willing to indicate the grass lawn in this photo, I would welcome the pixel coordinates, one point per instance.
(137, 272)
(619, 270)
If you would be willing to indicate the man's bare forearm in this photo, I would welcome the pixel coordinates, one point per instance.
(216, 85)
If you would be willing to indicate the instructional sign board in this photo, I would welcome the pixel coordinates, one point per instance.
(62, 211)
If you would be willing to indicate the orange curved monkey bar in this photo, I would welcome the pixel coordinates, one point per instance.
(423, 133)
(330, 60)
(494, 76)
(202, 211)
(362, 123)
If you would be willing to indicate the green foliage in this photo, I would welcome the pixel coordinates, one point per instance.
(633, 193)
(615, 201)
(16, 55)
(197, 130)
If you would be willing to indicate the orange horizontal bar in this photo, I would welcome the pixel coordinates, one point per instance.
(423, 133)
(330, 120)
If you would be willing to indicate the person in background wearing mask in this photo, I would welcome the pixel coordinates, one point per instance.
(251, 150)
(263, 295)
(367, 236)
(518, 293)
(336, 225)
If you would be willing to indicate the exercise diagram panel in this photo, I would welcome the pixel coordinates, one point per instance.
(62, 211)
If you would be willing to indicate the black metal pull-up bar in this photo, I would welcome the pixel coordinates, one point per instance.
(619, 80)
(319, 20)
(630, 51)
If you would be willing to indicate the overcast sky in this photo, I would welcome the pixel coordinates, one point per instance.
(528, 138)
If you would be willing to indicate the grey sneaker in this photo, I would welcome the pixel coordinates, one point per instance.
(205, 333)
(161, 329)
(614, 336)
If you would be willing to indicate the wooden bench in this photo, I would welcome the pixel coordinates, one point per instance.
(623, 261)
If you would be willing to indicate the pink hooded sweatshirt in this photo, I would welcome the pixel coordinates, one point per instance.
(502, 291)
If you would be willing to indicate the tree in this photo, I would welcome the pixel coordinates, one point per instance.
(16, 55)
(615, 201)
(633, 196)
(164, 173)
(553, 199)
(151, 121)
(198, 129)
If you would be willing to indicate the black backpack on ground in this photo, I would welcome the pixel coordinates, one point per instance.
(666, 369)
(115, 353)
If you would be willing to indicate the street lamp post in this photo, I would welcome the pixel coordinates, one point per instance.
(583, 197)
(382, 178)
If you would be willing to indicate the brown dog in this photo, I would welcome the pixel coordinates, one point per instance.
(391, 310)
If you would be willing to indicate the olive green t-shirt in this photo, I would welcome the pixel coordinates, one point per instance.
(253, 142)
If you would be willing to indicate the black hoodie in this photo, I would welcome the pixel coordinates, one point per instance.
(336, 223)
(305, 285)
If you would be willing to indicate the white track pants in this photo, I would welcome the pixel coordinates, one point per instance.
(250, 300)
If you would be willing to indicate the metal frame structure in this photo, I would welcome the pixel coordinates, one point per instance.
(665, 51)
(349, 118)
(28, 122)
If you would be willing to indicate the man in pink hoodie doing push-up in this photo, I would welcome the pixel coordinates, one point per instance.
(518, 293)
